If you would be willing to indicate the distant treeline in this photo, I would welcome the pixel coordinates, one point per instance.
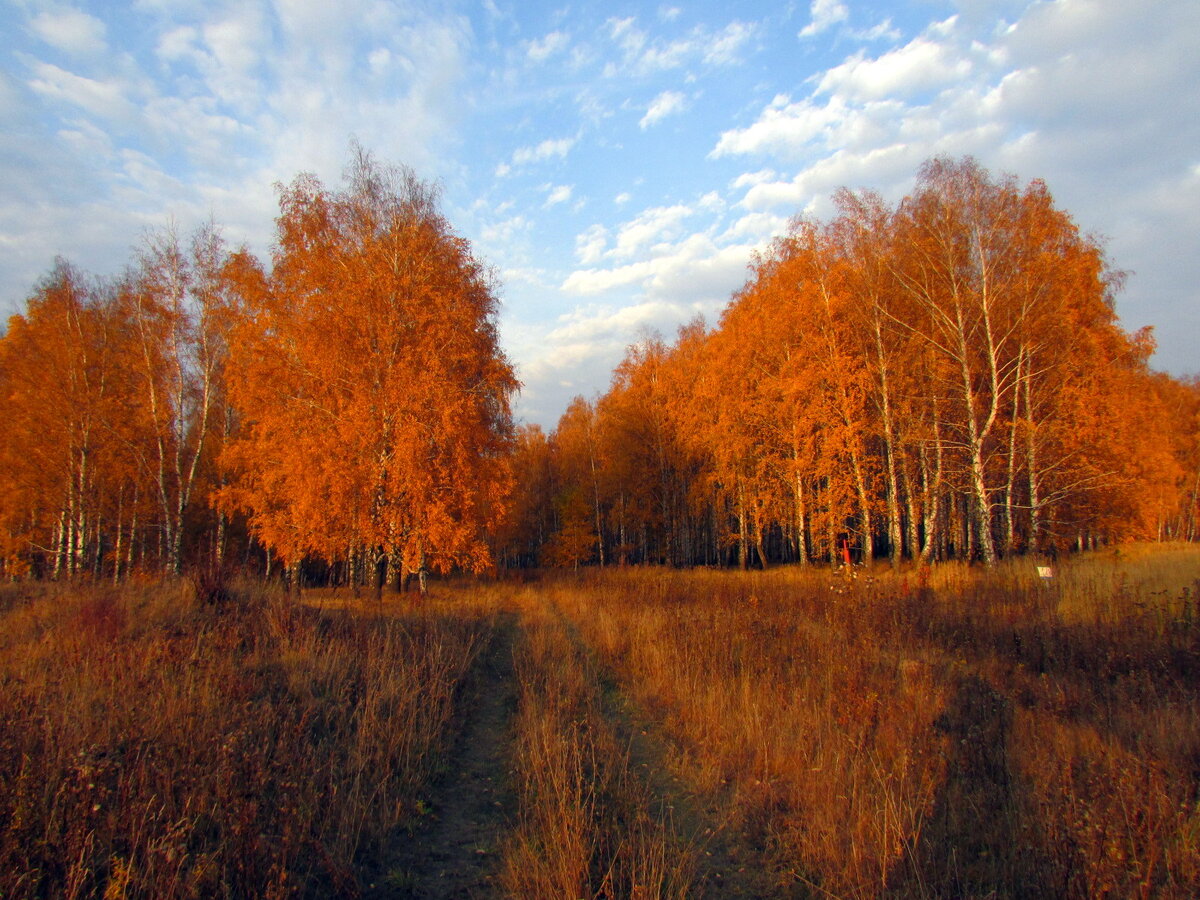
(945, 378)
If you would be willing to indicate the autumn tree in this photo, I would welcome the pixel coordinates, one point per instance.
(943, 377)
(531, 518)
(576, 449)
(70, 423)
(373, 394)
(646, 472)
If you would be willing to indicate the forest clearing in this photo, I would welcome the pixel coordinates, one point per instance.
(636, 732)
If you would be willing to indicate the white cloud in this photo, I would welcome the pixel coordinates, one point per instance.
(652, 227)
(379, 59)
(540, 50)
(1095, 96)
(71, 31)
(668, 55)
(591, 244)
(665, 104)
(885, 30)
(752, 178)
(505, 231)
(597, 281)
(920, 65)
(783, 127)
(557, 194)
(100, 98)
(177, 44)
(1076, 92)
(643, 56)
(825, 14)
(234, 41)
(627, 36)
(724, 46)
(547, 149)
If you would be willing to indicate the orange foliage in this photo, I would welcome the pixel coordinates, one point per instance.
(942, 378)
(374, 396)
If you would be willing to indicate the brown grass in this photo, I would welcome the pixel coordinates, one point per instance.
(156, 746)
(587, 826)
(943, 733)
(956, 734)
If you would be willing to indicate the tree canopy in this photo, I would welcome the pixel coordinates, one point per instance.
(943, 377)
(373, 395)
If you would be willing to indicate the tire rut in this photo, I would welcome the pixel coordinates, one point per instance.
(453, 850)
(727, 867)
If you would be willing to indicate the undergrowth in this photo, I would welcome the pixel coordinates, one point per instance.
(160, 744)
(587, 826)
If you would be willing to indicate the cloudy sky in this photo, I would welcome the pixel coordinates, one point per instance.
(617, 162)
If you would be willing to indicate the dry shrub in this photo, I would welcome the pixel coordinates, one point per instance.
(157, 745)
(1106, 822)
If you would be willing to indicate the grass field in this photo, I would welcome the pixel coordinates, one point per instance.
(654, 733)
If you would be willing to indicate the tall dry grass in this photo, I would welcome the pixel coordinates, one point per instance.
(587, 826)
(156, 746)
(814, 739)
(954, 733)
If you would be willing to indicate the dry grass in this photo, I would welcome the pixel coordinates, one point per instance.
(587, 826)
(955, 733)
(156, 746)
(938, 733)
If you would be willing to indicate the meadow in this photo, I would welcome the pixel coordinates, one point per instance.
(944, 732)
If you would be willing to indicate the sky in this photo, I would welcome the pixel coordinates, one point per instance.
(617, 163)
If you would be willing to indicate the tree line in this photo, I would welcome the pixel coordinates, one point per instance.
(942, 378)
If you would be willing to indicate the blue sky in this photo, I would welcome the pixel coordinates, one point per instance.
(617, 163)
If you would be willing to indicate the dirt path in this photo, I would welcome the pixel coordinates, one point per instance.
(453, 853)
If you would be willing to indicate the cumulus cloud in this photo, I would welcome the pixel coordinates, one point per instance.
(591, 244)
(1082, 120)
(655, 253)
(205, 112)
(920, 65)
(783, 128)
(653, 226)
(665, 104)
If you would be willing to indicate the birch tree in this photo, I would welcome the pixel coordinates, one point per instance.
(373, 393)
